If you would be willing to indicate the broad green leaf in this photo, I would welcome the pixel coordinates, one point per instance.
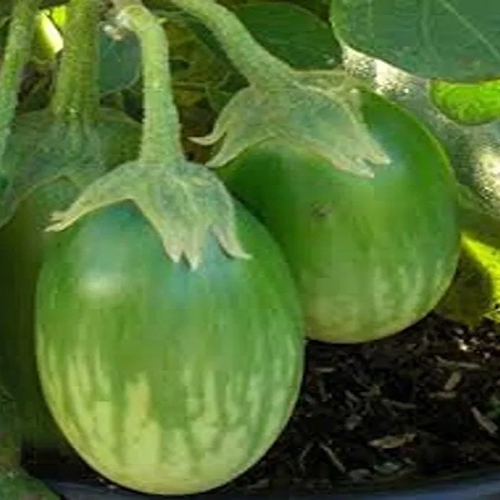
(120, 61)
(292, 33)
(468, 103)
(455, 40)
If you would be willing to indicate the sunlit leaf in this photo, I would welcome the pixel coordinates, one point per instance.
(468, 103)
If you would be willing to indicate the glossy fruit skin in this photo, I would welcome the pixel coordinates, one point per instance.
(474, 152)
(22, 243)
(371, 256)
(166, 379)
(471, 149)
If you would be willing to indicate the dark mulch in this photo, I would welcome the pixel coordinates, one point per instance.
(421, 404)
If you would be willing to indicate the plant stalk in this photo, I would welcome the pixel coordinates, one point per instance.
(77, 88)
(254, 62)
(17, 52)
(161, 133)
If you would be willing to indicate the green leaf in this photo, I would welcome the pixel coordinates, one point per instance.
(467, 103)
(475, 291)
(292, 33)
(120, 61)
(456, 40)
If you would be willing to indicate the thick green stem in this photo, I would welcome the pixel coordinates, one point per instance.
(255, 63)
(77, 88)
(161, 134)
(16, 55)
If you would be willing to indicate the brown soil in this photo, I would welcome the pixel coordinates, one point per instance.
(422, 404)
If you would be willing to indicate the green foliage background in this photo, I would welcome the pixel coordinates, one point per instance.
(297, 31)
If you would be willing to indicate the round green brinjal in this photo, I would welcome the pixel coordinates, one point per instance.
(166, 379)
(371, 256)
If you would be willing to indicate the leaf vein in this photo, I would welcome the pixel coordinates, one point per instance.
(426, 32)
(468, 24)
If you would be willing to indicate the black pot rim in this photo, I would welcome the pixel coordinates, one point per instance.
(483, 485)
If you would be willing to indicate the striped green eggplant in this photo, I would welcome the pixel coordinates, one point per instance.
(371, 255)
(163, 378)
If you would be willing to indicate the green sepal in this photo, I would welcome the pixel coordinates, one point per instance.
(317, 110)
(184, 202)
(42, 150)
